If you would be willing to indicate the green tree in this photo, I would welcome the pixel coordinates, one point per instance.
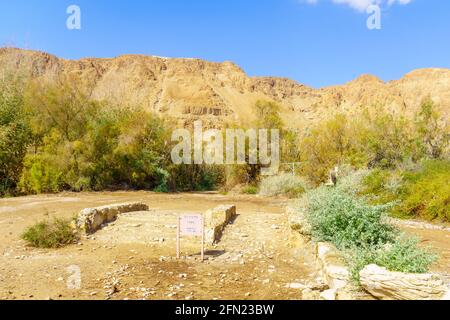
(14, 134)
(433, 136)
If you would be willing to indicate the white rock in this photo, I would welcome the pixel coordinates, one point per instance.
(329, 294)
(387, 285)
(295, 285)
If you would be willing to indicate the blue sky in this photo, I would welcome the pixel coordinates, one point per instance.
(317, 44)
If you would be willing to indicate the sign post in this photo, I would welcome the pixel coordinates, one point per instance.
(191, 225)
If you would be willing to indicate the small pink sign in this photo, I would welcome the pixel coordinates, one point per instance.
(191, 225)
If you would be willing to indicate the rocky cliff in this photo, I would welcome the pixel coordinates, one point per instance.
(188, 89)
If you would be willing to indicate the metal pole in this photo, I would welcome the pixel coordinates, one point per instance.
(178, 237)
(203, 238)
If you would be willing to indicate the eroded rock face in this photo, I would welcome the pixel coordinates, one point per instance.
(91, 219)
(387, 285)
(217, 93)
(216, 220)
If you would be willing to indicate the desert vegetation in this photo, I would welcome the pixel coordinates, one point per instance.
(284, 184)
(55, 137)
(374, 139)
(49, 234)
(361, 230)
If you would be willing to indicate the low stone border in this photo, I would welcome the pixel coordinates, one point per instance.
(91, 219)
(216, 220)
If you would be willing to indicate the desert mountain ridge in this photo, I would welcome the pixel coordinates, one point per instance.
(190, 89)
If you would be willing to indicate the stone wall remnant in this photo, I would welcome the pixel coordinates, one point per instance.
(91, 219)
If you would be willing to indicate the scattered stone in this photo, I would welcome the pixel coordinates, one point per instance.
(345, 295)
(296, 285)
(308, 294)
(329, 294)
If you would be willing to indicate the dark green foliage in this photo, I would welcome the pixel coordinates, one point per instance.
(422, 191)
(15, 136)
(67, 141)
(249, 189)
(425, 193)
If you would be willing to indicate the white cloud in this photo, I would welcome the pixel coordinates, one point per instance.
(362, 5)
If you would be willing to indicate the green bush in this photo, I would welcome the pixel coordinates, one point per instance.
(420, 191)
(374, 138)
(347, 221)
(55, 234)
(40, 175)
(381, 186)
(360, 230)
(376, 181)
(15, 135)
(249, 189)
(426, 192)
(403, 255)
(284, 184)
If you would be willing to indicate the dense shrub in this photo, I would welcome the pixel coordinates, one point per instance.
(381, 186)
(284, 184)
(403, 255)
(432, 138)
(50, 234)
(338, 216)
(347, 221)
(373, 139)
(425, 193)
(81, 144)
(422, 190)
(15, 135)
(326, 144)
(195, 177)
(249, 189)
(267, 116)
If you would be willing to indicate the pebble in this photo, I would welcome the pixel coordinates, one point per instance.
(295, 285)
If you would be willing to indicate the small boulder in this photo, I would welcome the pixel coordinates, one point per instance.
(387, 285)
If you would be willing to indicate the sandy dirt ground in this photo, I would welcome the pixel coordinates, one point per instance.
(134, 257)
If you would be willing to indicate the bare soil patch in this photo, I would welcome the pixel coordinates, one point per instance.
(134, 257)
